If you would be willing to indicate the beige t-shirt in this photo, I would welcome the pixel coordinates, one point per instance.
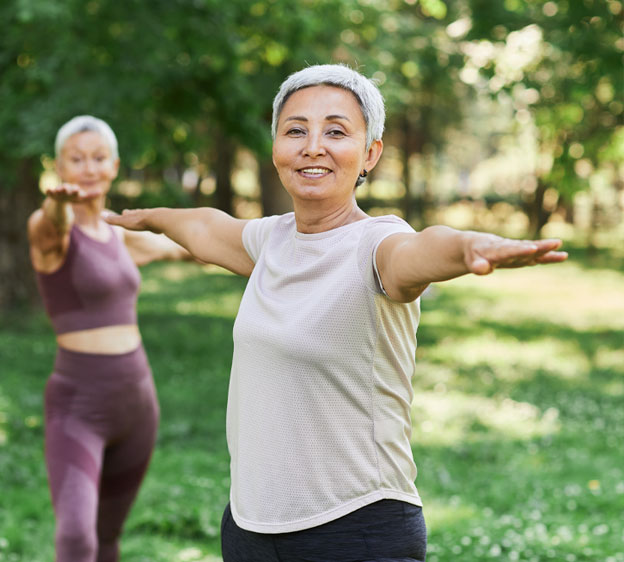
(318, 419)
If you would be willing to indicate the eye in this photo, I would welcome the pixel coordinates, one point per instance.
(338, 133)
(295, 132)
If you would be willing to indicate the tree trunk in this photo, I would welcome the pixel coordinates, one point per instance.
(275, 199)
(407, 198)
(17, 202)
(538, 216)
(224, 162)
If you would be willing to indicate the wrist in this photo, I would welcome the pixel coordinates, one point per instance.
(59, 213)
(154, 220)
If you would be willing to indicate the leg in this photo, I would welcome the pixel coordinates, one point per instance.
(401, 535)
(124, 467)
(385, 531)
(73, 458)
(238, 545)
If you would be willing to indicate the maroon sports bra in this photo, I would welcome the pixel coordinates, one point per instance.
(96, 286)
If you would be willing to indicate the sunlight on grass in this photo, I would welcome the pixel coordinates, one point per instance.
(511, 359)
(563, 294)
(196, 555)
(612, 359)
(517, 416)
(3, 433)
(451, 418)
(4, 418)
(225, 306)
(168, 272)
(442, 515)
(177, 272)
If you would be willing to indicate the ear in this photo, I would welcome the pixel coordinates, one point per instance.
(373, 155)
(115, 168)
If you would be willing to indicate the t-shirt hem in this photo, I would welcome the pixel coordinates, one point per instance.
(325, 517)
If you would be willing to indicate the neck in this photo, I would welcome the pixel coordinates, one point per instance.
(88, 213)
(312, 219)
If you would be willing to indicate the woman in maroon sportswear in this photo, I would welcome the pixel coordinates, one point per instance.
(101, 410)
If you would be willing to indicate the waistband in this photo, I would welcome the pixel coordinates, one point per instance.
(80, 364)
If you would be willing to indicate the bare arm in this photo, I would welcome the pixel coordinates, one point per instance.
(209, 235)
(49, 226)
(145, 247)
(407, 263)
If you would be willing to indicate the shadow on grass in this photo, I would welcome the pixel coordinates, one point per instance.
(487, 493)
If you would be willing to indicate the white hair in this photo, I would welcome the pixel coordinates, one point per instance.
(82, 124)
(365, 91)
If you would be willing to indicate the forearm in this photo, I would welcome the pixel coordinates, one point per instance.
(189, 228)
(57, 214)
(209, 235)
(409, 262)
(438, 253)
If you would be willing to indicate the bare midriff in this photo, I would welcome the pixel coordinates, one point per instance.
(109, 340)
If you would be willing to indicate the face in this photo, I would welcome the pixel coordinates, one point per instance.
(320, 144)
(86, 160)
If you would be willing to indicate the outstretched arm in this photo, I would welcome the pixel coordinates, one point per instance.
(407, 263)
(209, 235)
(49, 226)
(145, 247)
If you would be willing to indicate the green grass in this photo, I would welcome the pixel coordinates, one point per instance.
(518, 417)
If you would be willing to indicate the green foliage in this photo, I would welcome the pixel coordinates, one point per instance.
(577, 77)
(164, 74)
(517, 417)
(173, 78)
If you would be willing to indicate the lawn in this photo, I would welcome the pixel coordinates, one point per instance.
(518, 417)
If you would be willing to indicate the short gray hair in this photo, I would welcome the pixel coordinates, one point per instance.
(365, 91)
(82, 124)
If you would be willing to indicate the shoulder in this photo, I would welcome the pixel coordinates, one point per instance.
(390, 222)
(377, 229)
(257, 232)
(286, 220)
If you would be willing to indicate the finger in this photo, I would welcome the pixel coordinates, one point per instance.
(552, 257)
(547, 244)
(480, 266)
(61, 190)
(112, 218)
(513, 252)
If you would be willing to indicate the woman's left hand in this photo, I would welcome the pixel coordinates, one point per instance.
(484, 253)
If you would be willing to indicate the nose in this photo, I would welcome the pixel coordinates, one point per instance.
(90, 165)
(314, 146)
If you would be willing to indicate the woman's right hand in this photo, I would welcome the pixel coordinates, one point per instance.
(49, 226)
(71, 193)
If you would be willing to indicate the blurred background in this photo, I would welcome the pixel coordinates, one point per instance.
(503, 115)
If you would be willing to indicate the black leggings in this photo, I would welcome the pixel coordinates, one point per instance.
(101, 415)
(385, 531)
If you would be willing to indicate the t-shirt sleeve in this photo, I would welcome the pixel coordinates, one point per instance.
(255, 233)
(374, 234)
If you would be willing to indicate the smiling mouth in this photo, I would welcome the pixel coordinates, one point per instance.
(314, 172)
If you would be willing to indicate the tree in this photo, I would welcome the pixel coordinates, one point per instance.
(569, 85)
(177, 80)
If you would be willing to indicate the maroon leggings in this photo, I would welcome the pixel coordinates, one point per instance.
(101, 416)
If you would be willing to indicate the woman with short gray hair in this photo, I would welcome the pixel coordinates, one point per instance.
(318, 420)
(101, 411)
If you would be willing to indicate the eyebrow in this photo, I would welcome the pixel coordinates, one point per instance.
(332, 117)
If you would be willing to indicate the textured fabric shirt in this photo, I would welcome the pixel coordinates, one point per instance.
(318, 419)
(96, 286)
